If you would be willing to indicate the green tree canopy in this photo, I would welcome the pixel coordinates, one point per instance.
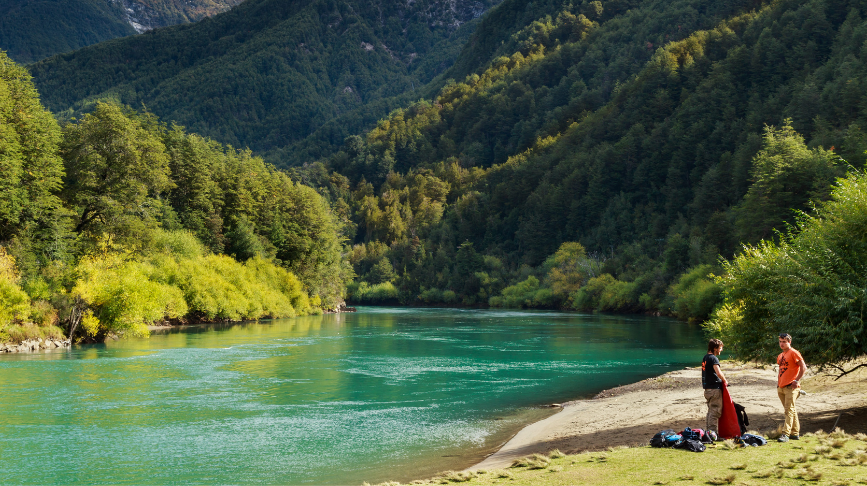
(117, 166)
(30, 170)
(812, 284)
(786, 177)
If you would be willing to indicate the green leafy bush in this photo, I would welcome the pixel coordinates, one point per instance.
(528, 293)
(364, 293)
(606, 293)
(14, 302)
(810, 284)
(177, 278)
(696, 294)
(123, 296)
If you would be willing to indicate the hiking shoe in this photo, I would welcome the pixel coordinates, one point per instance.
(783, 438)
(795, 437)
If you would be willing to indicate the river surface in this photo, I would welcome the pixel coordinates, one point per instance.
(382, 394)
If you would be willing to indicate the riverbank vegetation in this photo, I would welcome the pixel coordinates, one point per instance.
(835, 458)
(116, 221)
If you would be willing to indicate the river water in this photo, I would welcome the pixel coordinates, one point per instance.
(382, 394)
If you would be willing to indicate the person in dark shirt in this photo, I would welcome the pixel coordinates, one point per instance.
(712, 380)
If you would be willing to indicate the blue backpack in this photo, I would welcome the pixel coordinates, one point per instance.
(666, 438)
(673, 440)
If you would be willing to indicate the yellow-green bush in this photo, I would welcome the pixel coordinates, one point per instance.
(363, 292)
(176, 278)
(219, 287)
(14, 302)
(123, 294)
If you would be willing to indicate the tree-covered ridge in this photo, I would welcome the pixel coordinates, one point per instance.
(117, 220)
(31, 30)
(268, 72)
(656, 167)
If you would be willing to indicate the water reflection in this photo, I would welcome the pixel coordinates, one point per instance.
(381, 394)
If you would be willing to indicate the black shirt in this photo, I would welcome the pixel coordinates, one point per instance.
(709, 379)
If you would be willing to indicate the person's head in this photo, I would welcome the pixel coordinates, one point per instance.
(714, 346)
(785, 341)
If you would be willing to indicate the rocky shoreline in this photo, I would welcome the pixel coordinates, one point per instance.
(340, 308)
(31, 345)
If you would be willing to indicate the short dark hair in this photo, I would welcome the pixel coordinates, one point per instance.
(786, 336)
(713, 344)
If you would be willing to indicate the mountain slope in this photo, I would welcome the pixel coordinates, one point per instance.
(268, 72)
(31, 30)
(645, 137)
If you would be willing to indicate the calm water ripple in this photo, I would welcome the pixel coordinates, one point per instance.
(381, 394)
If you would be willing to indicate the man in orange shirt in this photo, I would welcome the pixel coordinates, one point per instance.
(791, 369)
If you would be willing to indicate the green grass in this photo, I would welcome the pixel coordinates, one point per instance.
(827, 459)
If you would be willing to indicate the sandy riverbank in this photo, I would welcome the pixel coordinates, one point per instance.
(631, 414)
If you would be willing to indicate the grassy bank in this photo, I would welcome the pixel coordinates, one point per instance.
(823, 458)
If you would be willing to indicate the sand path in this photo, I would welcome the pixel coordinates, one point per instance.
(631, 414)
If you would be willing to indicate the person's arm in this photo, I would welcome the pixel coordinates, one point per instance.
(802, 369)
(720, 374)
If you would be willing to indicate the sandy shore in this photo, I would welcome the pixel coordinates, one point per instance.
(631, 414)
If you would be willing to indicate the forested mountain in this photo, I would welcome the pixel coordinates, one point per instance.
(658, 138)
(268, 72)
(584, 155)
(31, 30)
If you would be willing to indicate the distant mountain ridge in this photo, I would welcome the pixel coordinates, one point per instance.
(31, 30)
(144, 15)
(268, 72)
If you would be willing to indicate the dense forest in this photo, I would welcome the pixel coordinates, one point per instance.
(624, 156)
(31, 30)
(568, 174)
(117, 220)
(269, 72)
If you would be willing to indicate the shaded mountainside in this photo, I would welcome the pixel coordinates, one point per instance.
(268, 72)
(642, 136)
(31, 30)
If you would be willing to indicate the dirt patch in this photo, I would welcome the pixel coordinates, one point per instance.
(631, 414)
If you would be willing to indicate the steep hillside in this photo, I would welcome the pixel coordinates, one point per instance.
(31, 30)
(268, 72)
(642, 136)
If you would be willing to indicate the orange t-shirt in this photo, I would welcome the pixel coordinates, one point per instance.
(788, 364)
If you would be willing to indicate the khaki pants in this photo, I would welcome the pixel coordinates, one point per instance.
(714, 408)
(788, 395)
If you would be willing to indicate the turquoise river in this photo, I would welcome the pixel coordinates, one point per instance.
(382, 394)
